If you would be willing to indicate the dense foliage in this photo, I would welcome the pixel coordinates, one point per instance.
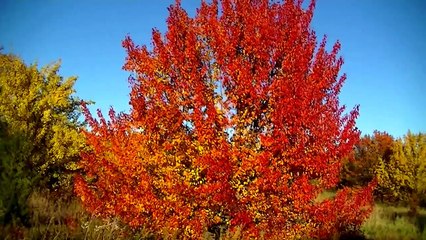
(39, 106)
(235, 122)
(360, 166)
(404, 175)
(398, 164)
(16, 179)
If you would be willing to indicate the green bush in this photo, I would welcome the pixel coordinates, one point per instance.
(16, 178)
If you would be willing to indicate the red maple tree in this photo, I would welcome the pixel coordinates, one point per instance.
(235, 121)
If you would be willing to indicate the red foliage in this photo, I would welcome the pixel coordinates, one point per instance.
(235, 120)
(345, 213)
(360, 168)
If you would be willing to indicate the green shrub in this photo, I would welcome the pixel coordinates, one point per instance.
(16, 179)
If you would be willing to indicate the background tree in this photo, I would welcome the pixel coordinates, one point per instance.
(40, 106)
(360, 167)
(404, 176)
(235, 121)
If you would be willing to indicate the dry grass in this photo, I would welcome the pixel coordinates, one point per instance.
(391, 223)
(59, 219)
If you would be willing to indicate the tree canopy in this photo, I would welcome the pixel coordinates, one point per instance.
(404, 175)
(360, 166)
(40, 106)
(235, 121)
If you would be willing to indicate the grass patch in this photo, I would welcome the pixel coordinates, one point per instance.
(327, 194)
(390, 222)
(52, 218)
(66, 219)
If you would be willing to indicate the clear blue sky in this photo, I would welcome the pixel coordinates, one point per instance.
(383, 44)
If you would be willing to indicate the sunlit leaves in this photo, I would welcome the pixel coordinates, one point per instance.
(235, 120)
(360, 167)
(404, 174)
(39, 104)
